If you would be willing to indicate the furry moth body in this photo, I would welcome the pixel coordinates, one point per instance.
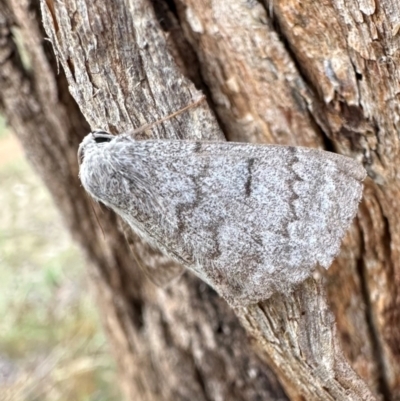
(248, 219)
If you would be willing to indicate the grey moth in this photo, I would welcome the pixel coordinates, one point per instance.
(248, 219)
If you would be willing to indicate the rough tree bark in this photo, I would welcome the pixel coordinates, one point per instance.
(306, 73)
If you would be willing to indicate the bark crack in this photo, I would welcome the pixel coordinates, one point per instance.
(314, 106)
(383, 385)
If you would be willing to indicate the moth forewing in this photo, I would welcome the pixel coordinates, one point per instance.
(249, 219)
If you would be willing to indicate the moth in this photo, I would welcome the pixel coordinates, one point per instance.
(248, 219)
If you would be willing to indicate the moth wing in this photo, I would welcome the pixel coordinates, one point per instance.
(250, 220)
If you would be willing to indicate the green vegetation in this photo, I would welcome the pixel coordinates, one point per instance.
(51, 344)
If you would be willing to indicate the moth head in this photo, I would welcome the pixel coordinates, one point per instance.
(93, 139)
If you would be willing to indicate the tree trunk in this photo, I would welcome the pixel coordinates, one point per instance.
(320, 74)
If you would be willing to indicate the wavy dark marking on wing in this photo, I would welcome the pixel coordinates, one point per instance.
(291, 162)
(197, 147)
(189, 207)
(247, 185)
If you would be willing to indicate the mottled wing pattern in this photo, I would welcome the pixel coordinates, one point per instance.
(248, 219)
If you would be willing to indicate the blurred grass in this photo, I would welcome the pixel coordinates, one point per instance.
(51, 344)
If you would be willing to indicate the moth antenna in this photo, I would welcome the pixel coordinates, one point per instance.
(150, 125)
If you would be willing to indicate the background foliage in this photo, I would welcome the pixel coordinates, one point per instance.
(51, 343)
